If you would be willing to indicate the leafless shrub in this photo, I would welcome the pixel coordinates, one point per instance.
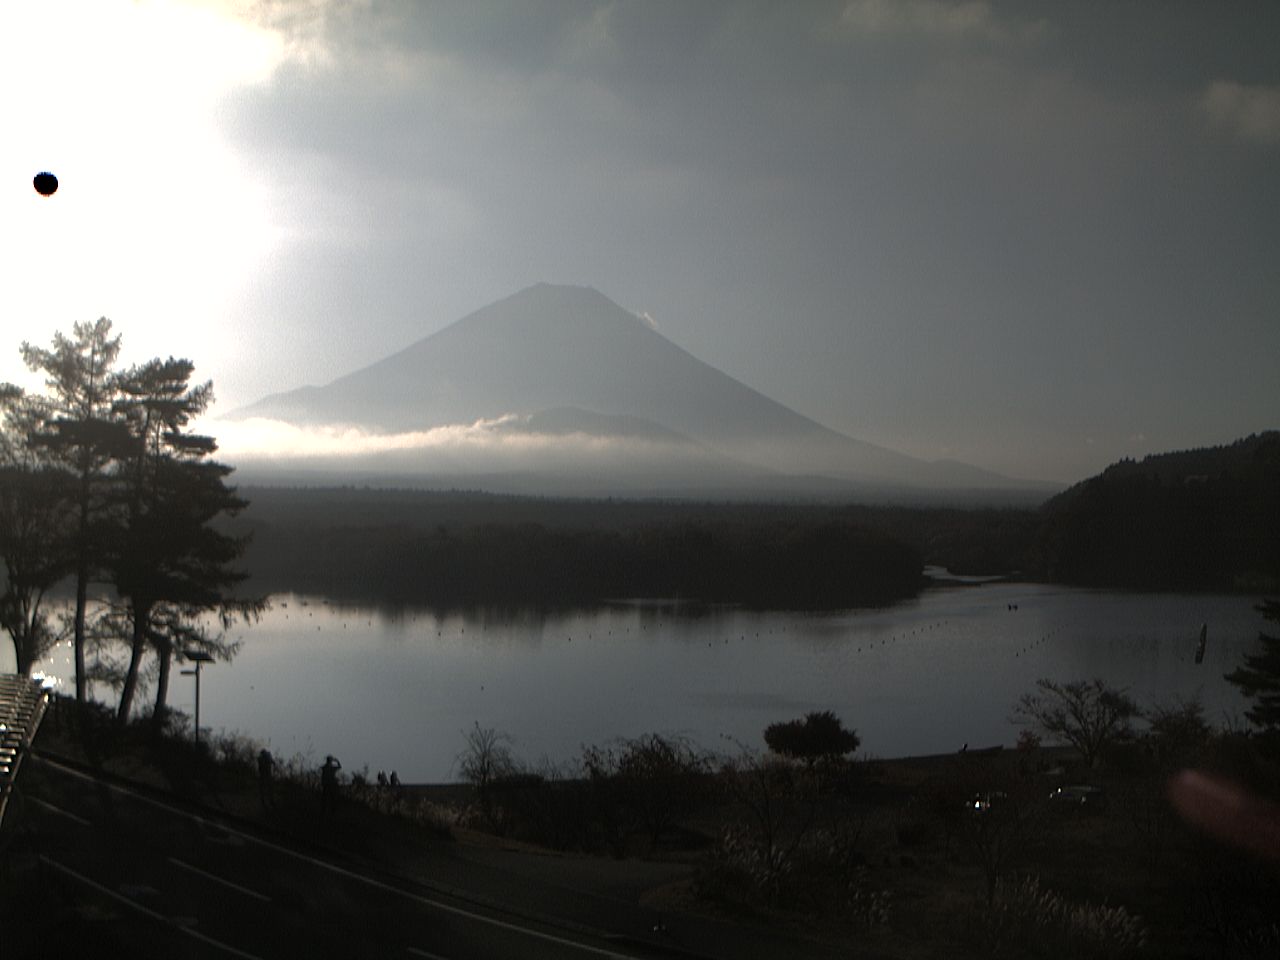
(643, 785)
(1027, 920)
(484, 762)
(1087, 714)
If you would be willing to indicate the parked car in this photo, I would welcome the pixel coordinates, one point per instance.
(1080, 795)
(982, 802)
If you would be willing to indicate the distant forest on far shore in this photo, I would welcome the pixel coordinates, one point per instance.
(1198, 520)
(462, 549)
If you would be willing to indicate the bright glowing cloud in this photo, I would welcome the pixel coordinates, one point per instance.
(259, 439)
(156, 223)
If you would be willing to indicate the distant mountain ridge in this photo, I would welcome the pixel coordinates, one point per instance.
(566, 360)
(1245, 458)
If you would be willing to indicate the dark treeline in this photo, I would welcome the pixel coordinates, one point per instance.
(1197, 520)
(1194, 520)
(451, 549)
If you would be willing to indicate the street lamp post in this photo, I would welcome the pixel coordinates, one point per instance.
(199, 658)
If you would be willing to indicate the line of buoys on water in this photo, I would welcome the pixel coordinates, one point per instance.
(893, 638)
(1032, 646)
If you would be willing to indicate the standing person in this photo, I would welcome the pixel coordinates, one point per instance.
(266, 771)
(329, 783)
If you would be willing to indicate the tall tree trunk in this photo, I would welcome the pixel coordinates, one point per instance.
(22, 653)
(164, 650)
(82, 585)
(26, 644)
(141, 617)
(82, 601)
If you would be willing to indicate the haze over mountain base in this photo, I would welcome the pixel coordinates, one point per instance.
(558, 390)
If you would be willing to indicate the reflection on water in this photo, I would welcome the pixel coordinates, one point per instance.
(396, 688)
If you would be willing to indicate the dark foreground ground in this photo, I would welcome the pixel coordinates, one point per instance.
(131, 845)
(143, 849)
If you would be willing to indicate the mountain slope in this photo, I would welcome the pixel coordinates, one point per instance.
(550, 348)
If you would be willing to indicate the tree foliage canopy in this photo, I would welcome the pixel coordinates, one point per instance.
(819, 734)
(1087, 714)
(36, 553)
(167, 555)
(101, 478)
(1259, 677)
(73, 426)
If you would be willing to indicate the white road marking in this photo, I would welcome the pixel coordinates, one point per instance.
(216, 879)
(60, 812)
(147, 911)
(342, 871)
(423, 953)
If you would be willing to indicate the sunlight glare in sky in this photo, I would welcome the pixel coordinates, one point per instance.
(155, 224)
(1004, 234)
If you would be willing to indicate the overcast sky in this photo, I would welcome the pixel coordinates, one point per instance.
(1034, 237)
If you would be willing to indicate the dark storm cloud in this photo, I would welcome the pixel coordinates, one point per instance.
(1009, 233)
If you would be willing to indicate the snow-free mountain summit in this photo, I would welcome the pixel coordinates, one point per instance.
(560, 380)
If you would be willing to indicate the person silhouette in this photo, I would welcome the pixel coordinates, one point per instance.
(329, 783)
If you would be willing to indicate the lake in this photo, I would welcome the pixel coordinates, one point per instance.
(398, 689)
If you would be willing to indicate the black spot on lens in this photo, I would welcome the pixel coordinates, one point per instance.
(45, 184)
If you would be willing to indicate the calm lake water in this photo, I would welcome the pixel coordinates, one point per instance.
(397, 690)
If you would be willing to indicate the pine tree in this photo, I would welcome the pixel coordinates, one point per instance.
(36, 542)
(167, 560)
(79, 430)
(1259, 678)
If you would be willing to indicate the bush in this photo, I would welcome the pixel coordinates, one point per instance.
(1028, 920)
(643, 785)
(484, 761)
(821, 873)
(1178, 733)
(395, 802)
(556, 812)
(789, 837)
(819, 735)
(1087, 714)
(621, 791)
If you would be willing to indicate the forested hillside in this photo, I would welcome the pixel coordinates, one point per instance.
(1195, 520)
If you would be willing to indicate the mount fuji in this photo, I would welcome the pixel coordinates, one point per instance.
(559, 390)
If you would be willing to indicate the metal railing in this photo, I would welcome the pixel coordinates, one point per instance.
(23, 701)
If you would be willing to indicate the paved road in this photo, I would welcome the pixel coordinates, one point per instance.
(169, 882)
